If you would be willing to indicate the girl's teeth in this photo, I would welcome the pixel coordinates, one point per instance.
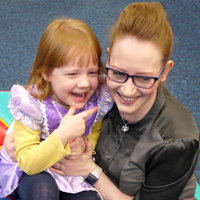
(79, 95)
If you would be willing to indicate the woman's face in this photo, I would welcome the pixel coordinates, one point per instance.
(135, 57)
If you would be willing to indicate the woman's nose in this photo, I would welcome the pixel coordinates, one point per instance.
(128, 88)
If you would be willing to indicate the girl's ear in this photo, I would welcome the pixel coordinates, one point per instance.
(46, 76)
(167, 69)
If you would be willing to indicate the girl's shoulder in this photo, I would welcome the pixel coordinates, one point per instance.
(105, 102)
(24, 107)
(105, 95)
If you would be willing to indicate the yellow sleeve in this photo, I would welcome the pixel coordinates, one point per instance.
(94, 136)
(34, 156)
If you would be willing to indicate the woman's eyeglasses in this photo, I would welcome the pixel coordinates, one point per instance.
(139, 81)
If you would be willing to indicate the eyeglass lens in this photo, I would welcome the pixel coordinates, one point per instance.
(139, 81)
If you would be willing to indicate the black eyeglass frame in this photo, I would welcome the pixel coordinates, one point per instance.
(132, 76)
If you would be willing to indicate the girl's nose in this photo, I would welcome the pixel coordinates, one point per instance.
(84, 81)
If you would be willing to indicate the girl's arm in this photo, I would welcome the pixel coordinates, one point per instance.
(77, 145)
(34, 156)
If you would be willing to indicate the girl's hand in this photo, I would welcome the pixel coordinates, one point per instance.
(73, 126)
(77, 147)
(9, 145)
(78, 167)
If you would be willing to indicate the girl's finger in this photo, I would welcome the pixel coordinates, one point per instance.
(72, 109)
(87, 113)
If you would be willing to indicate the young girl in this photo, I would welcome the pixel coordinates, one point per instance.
(53, 111)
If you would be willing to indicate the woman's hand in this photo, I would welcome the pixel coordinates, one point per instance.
(78, 167)
(9, 145)
(82, 167)
(77, 147)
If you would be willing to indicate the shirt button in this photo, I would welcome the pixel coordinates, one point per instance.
(108, 156)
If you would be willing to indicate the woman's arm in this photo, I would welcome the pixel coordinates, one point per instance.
(108, 190)
(171, 169)
(9, 145)
(85, 165)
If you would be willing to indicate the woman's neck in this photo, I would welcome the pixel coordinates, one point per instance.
(131, 118)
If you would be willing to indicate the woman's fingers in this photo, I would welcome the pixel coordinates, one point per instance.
(88, 147)
(58, 171)
(56, 165)
(9, 145)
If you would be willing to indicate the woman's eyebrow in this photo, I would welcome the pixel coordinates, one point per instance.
(139, 73)
(146, 73)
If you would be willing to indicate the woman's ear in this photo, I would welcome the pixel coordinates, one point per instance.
(167, 69)
(108, 51)
(46, 76)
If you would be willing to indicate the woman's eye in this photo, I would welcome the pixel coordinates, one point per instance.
(143, 79)
(116, 73)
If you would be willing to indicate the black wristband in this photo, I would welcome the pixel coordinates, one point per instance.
(93, 177)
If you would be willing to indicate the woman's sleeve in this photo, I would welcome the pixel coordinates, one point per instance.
(34, 156)
(170, 169)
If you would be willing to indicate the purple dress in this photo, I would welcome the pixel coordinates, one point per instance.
(46, 116)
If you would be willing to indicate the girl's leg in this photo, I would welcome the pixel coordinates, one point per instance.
(41, 186)
(85, 195)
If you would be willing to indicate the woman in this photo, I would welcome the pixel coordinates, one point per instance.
(149, 142)
(148, 146)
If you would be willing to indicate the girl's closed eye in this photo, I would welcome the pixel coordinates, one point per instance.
(93, 73)
(72, 74)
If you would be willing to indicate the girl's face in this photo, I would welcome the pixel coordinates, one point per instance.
(74, 83)
(135, 57)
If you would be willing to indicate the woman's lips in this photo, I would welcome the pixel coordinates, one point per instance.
(125, 99)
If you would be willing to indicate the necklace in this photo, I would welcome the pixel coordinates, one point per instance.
(125, 128)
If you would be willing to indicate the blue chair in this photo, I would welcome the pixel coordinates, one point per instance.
(197, 195)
